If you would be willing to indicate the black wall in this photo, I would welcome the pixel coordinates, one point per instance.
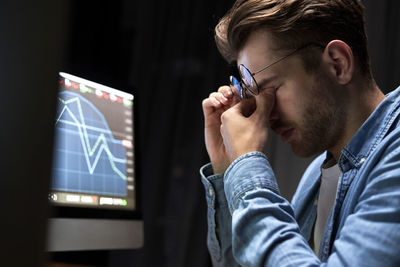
(31, 51)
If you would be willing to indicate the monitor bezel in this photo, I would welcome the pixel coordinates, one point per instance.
(76, 212)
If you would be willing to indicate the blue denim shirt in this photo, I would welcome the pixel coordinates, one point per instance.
(250, 224)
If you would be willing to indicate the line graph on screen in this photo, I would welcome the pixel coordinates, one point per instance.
(88, 159)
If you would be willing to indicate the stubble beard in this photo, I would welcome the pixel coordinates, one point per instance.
(323, 121)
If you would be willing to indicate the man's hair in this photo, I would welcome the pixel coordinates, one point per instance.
(294, 23)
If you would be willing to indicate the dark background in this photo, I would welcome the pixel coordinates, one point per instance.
(163, 52)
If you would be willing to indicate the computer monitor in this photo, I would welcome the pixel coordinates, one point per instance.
(94, 185)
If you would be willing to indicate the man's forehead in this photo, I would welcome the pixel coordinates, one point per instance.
(258, 50)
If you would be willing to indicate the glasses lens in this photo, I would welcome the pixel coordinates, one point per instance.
(235, 83)
(248, 80)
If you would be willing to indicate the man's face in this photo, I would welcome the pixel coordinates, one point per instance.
(307, 112)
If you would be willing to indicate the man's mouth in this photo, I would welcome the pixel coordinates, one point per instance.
(285, 135)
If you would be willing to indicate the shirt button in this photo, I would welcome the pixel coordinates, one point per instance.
(362, 160)
(210, 192)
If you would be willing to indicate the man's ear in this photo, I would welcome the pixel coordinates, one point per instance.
(339, 60)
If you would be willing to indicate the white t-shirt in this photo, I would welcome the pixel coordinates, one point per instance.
(326, 200)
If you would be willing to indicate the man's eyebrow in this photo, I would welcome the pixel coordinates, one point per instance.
(264, 82)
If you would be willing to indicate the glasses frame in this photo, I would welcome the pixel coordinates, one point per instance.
(244, 88)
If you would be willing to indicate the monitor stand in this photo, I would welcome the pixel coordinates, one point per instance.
(72, 234)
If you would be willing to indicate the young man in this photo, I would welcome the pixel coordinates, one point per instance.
(305, 74)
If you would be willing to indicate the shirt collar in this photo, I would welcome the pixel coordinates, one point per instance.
(371, 133)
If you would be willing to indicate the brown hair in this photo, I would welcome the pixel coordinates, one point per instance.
(295, 23)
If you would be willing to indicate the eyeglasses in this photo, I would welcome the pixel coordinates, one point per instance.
(247, 86)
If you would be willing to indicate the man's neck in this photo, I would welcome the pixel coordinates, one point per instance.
(329, 161)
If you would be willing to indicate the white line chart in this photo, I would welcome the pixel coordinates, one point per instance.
(84, 136)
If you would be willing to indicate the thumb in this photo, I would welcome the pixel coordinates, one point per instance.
(265, 103)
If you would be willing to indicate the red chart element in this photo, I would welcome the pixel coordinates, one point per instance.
(127, 143)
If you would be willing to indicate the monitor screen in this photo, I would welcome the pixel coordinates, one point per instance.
(93, 164)
(94, 177)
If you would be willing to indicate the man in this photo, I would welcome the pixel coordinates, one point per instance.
(305, 74)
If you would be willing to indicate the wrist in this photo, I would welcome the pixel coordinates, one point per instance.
(219, 168)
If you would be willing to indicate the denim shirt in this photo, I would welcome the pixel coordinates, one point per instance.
(250, 224)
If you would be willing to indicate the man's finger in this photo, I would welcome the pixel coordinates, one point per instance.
(265, 103)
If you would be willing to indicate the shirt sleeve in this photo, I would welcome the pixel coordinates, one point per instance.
(219, 236)
(264, 229)
(265, 232)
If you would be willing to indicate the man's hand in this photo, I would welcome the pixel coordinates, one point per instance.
(213, 107)
(244, 127)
